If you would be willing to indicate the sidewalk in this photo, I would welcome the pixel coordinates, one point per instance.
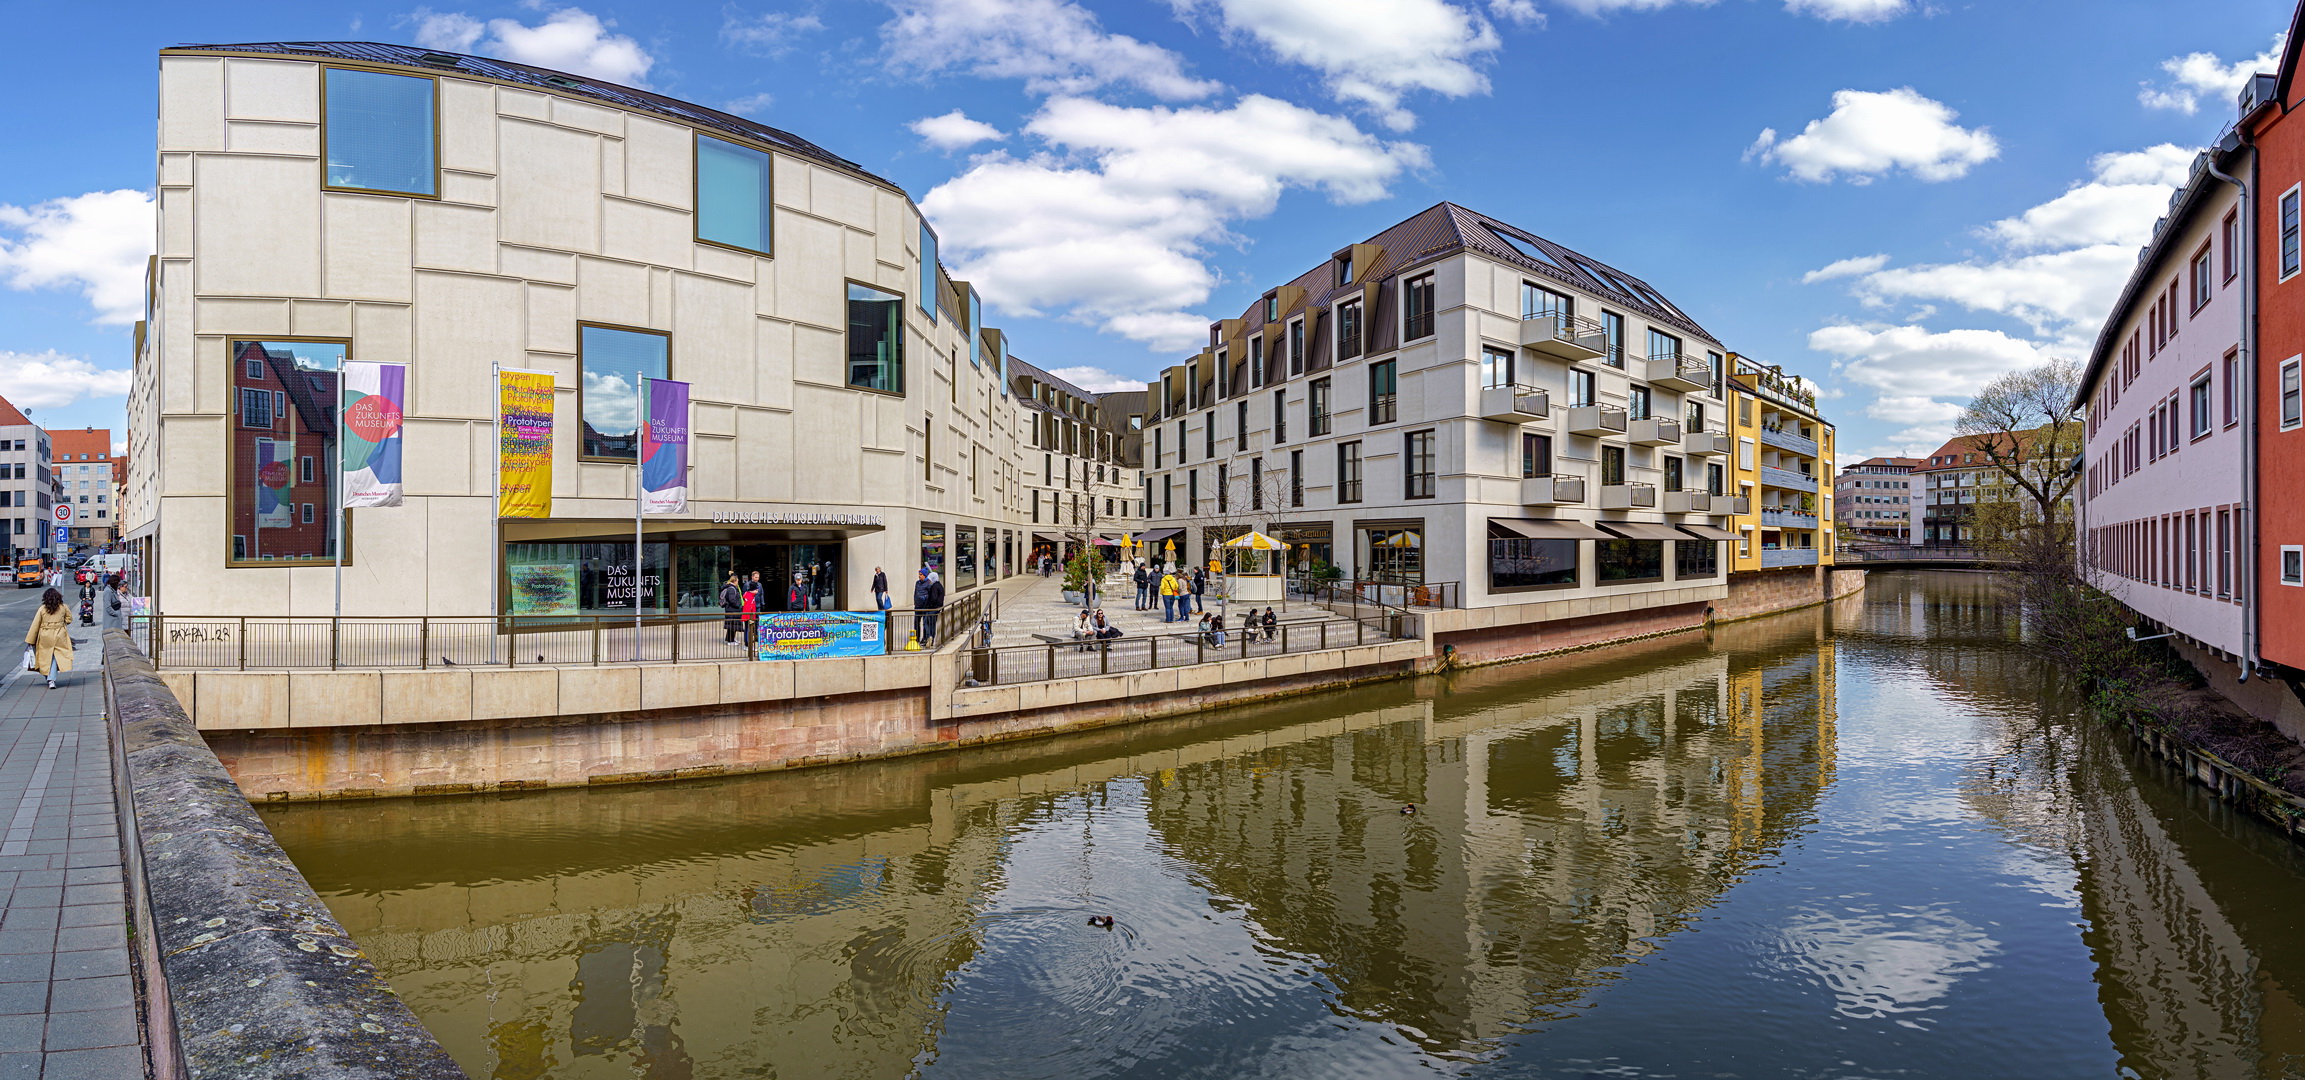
(1035, 605)
(67, 1007)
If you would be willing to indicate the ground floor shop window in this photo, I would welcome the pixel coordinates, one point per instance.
(1393, 553)
(1696, 558)
(931, 547)
(964, 557)
(1531, 564)
(1310, 547)
(1622, 562)
(581, 579)
(594, 577)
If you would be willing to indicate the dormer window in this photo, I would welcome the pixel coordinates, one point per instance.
(1345, 268)
(1272, 307)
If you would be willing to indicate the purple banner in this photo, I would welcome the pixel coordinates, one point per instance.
(664, 449)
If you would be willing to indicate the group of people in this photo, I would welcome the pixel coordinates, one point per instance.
(1212, 627)
(1179, 592)
(743, 598)
(1091, 626)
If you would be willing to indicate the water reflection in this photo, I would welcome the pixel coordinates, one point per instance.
(1840, 842)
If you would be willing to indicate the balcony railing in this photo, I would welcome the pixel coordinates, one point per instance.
(1629, 496)
(1564, 336)
(1555, 490)
(1787, 478)
(1654, 431)
(1732, 504)
(1596, 420)
(1775, 557)
(1707, 444)
(1680, 371)
(1689, 501)
(1786, 440)
(1514, 404)
(1787, 519)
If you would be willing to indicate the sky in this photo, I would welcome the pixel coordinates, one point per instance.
(1896, 199)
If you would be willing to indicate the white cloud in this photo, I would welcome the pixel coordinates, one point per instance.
(955, 130)
(1853, 267)
(1868, 134)
(753, 105)
(569, 39)
(1096, 380)
(1372, 51)
(1604, 7)
(768, 34)
(2197, 75)
(2053, 291)
(1850, 10)
(48, 380)
(1054, 45)
(1517, 12)
(1913, 371)
(97, 243)
(1107, 226)
(2128, 193)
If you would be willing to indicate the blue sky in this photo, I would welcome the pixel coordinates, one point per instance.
(1897, 199)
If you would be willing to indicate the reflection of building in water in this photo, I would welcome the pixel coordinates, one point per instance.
(1555, 838)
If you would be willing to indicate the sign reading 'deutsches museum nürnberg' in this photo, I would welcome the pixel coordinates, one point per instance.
(768, 518)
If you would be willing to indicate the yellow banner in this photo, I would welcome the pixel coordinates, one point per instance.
(524, 444)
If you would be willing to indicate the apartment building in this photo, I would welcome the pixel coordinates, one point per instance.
(2274, 402)
(27, 484)
(1781, 476)
(85, 469)
(1082, 470)
(327, 201)
(2165, 492)
(1457, 400)
(1875, 499)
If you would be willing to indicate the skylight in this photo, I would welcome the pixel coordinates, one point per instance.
(1526, 248)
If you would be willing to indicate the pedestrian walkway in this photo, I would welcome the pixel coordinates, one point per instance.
(67, 1008)
(1036, 605)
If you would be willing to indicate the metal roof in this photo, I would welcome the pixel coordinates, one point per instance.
(438, 62)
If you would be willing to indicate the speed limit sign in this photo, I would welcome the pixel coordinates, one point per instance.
(63, 512)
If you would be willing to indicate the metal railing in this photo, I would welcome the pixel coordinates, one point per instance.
(1380, 593)
(245, 642)
(1787, 478)
(1116, 656)
(1775, 557)
(1786, 440)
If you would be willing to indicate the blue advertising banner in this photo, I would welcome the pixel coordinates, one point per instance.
(811, 635)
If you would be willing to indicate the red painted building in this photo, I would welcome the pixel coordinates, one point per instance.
(2273, 111)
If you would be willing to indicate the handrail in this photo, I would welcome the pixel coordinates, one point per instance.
(1011, 664)
(1568, 325)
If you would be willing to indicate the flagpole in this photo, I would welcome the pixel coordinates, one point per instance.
(640, 438)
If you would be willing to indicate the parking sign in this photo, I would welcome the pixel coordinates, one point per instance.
(63, 534)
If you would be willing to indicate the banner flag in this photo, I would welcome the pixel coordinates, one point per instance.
(524, 444)
(374, 395)
(811, 635)
(664, 449)
(274, 474)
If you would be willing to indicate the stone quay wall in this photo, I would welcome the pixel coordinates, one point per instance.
(1766, 592)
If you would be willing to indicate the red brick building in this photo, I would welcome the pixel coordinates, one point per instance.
(2272, 121)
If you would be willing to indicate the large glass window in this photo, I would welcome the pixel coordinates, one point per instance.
(964, 557)
(875, 339)
(1624, 561)
(1348, 330)
(1349, 472)
(1613, 332)
(1417, 464)
(380, 134)
(585, 578)
(1384, 392)
(1581, 386)
(733, 195)
(1515, 563)
(931, 548)
(613, 362)
(1538, 301)
(1696, 558)
(1419, 308)
(1496, 368)
(1536, 455)
(284, 397)
(1318, 406)
(1394, 553)
(928, 286)
(1663, 345)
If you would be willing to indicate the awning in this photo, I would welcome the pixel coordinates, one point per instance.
(1050, 537)
(1708, 532)
(1154, 536)
(1547, 529)
(1642, 530)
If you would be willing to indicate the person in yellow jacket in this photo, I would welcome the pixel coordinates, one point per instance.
(1171, 591)
(50, 636)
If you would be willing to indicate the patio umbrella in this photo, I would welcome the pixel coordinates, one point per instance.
(1253, 540)
(1402, 540)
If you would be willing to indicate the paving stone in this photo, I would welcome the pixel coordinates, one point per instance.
(109, 1063)
(81, 938)
(95, 962)
(103, 992)
(20, 1033)
(17, 998)
(115, 1026)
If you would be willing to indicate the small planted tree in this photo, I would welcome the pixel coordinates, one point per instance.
(1083, 572)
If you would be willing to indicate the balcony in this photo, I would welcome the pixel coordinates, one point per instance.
(1680, 371)
(1597, 420)
(1563, 337)
(1689, 502)
(1787, 478)
(1775, 557)
(1707, 444)
(1784, 439)
(1772, 518)
(1554, 490)
(1628, 496)
(1514, 404)
(1654, 431)
(1732, 504)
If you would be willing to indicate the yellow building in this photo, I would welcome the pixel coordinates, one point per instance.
(1782, 472)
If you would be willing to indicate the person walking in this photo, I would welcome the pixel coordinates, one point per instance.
(1200, 585)
(1143, 580)
(880, 598)
(50, 636)
(115, 605)
(1172, 592)
(731, 606)
(927, 601)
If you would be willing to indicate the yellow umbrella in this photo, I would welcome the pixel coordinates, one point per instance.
(1172, 546)
(1402, 540)
(1253, 540)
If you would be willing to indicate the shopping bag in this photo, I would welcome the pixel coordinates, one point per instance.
(28, 661)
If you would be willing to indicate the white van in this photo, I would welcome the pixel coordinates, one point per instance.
(118, 562)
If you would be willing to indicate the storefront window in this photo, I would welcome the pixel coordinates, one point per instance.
(931, 547)
(1393, 553)
(964, 558)
(1696, 558)
(583, 578)
(1624, 561)
(1310, 547)
(283, 445)
(1516, 563)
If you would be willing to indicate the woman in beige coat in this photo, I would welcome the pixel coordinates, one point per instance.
(50, 637)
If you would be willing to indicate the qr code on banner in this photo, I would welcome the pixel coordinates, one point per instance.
(868, 630)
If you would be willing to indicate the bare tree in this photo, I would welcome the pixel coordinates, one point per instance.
(2029, 428)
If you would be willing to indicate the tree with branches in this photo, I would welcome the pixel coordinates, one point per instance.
(2028, 428)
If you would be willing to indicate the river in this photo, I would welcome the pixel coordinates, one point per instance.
(1873, 839)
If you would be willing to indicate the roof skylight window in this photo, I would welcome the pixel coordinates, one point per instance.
(1526, 248)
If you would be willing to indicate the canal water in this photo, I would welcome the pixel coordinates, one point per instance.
(1868, 840)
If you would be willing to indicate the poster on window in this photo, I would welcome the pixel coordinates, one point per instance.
(524, 444)
(544, 589)
(811, 635)
(374, 395)
(664, 449)
(274, 475)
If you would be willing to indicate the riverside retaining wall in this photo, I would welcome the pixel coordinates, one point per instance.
(255, 978)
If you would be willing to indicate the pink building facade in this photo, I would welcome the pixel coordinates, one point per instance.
(2165, 499)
